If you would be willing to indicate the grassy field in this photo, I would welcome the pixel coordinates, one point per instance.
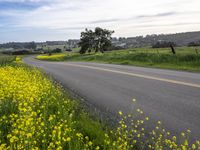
(36, 113)
(185, 59)
(4, 59)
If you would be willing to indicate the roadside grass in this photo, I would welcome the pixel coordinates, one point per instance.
(5, 59)
(76, 49)
(185, 59)
(36, 113)
(2, 49)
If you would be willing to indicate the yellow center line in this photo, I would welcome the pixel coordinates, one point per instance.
(136, 75)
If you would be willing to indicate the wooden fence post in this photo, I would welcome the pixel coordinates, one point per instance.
(173, 50)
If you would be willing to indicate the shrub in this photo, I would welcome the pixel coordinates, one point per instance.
(194, 44)
(21, 52)
(57, 50)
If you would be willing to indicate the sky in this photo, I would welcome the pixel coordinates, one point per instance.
(47, 20)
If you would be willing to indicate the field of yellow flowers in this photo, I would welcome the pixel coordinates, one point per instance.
(36, 113)
(54, 57)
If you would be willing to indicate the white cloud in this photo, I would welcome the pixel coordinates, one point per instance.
(126, 17)
(23, 1)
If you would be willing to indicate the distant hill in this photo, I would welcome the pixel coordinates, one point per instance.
(21, 45)
(181, 39)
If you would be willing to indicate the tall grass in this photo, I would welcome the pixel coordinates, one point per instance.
(185, 59)
(5, 59)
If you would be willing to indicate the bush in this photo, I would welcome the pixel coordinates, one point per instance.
(21, 52)
(68, 50)
(194, 44)
(57, 50)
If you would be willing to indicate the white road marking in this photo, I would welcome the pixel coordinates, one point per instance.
(136, 75)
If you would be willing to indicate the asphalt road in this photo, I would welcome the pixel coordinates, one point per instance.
(170, 96)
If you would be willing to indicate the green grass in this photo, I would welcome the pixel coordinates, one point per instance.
(185, 59)
(5, 59)
(51, 47)
(76, 49)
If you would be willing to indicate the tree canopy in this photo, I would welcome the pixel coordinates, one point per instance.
(98, 40)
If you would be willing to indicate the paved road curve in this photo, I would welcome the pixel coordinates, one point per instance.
(170, 96)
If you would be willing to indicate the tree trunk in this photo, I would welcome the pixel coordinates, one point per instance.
(173, 50)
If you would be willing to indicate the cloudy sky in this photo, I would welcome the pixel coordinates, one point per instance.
(41, 20)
